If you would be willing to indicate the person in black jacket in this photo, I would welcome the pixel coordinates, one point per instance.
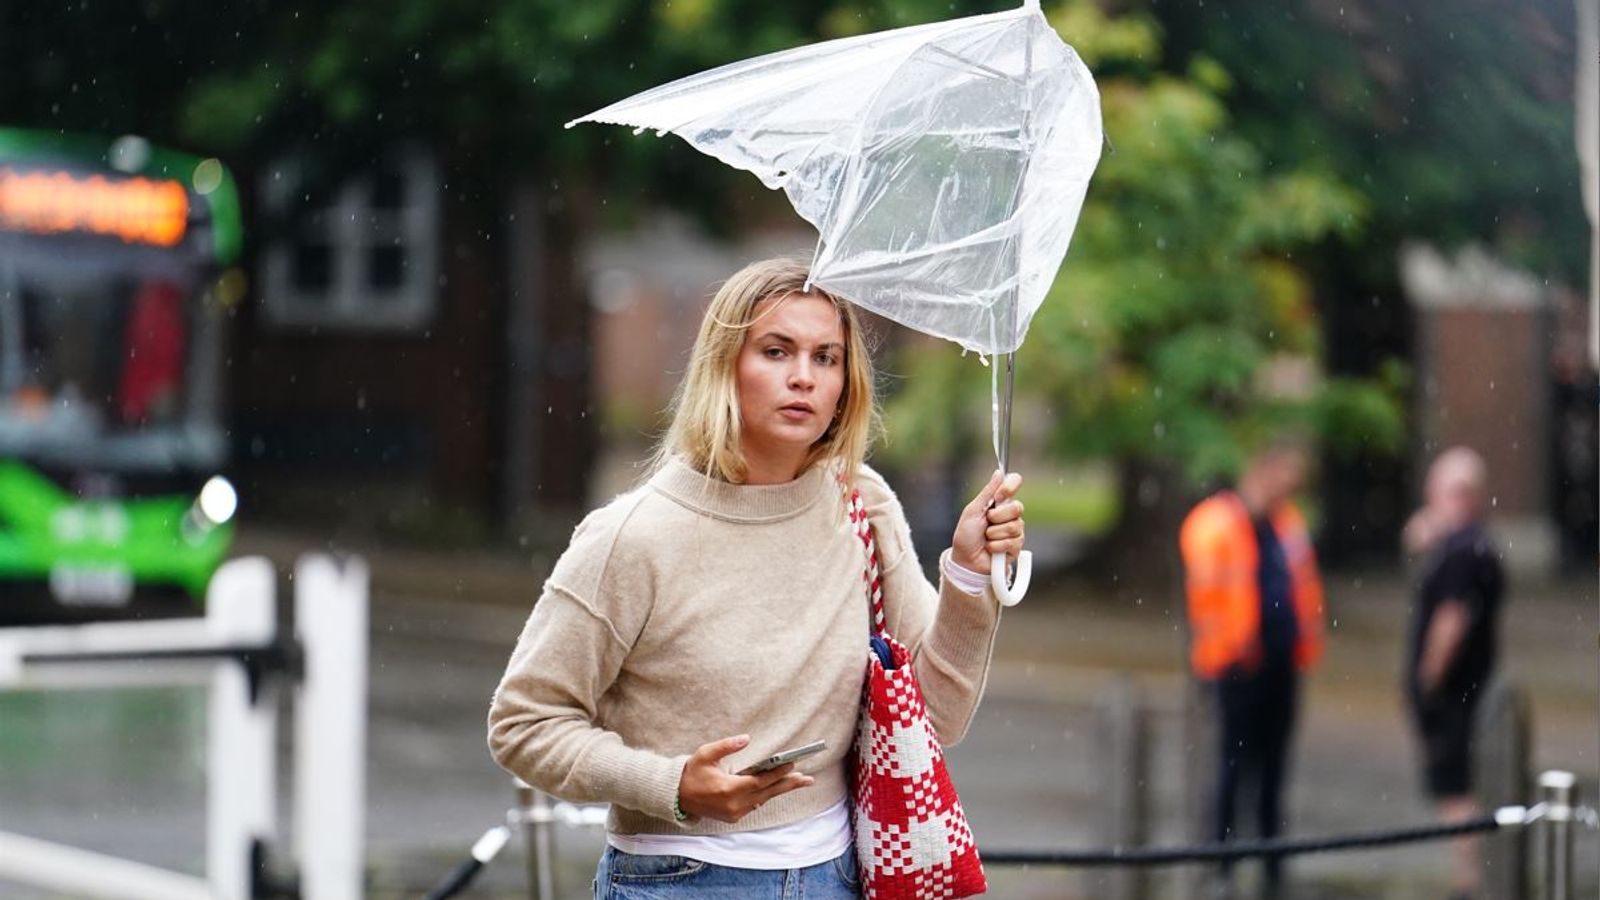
(1452, 647)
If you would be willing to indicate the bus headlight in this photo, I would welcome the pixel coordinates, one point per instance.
(218, 500)
(215, 506)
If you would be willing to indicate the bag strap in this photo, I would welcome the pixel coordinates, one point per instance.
(871, 575)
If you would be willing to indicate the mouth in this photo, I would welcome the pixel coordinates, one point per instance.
(797, 410)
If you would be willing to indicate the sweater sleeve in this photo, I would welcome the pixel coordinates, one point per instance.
(543, 718)
(950, 633)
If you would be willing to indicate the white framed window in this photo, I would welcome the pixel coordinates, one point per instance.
(361, 255)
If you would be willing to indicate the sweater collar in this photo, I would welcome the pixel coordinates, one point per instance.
(739, 502)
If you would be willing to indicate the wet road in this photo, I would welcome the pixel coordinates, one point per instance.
(121, 771)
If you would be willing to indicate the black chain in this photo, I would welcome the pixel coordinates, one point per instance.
(1232, 850)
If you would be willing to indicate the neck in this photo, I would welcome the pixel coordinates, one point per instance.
(1457, 519)
(771, 468)
(1253, 499)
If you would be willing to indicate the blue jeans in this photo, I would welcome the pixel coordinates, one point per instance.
(626, 876)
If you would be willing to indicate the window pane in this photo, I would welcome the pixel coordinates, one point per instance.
(312, 204)
(313, 268)
(386, 267)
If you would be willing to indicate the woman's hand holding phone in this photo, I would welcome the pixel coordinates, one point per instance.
(706, 789)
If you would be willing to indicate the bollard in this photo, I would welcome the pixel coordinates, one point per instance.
(1125, 785)
(1501, 741)
(535, 820)
(1198, 739)
(1558, 791)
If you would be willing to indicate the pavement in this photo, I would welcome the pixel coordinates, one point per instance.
(120, 771)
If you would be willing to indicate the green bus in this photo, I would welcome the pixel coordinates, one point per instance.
(116, 269)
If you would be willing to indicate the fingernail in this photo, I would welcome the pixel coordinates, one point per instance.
(742, 739)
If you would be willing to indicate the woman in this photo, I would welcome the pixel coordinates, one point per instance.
(716, 615)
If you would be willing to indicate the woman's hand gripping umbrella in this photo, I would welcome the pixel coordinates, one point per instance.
(943, 165)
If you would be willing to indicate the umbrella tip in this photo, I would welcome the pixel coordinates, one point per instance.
(1031, 4)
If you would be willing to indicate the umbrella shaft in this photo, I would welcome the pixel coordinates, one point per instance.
(1004, 438)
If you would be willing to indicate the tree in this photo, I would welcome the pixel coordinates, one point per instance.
(1454, 119)
(1181, 330)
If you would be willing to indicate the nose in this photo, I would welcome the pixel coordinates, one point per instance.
(800, 377)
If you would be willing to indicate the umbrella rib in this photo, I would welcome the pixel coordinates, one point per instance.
(974, 65)
(900, 259)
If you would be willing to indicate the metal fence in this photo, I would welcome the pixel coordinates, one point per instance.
(1126, 723)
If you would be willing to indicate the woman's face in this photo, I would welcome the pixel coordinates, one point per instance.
(791, 372)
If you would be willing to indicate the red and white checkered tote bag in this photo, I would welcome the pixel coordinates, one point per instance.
(912, 839)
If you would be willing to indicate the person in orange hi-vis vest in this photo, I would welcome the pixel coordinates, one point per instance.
(1255, 615)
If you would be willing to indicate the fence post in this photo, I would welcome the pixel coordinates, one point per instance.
(1126, 783)
(1559, 792)
(534, 810)
(331, 616)
(241, 725)
(1199, 745)
(1501, 754)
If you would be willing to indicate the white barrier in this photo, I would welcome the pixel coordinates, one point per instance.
(225, 650)
(58, 867)
(241, 739)
(331, 726)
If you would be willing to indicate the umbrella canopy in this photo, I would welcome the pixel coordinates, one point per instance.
(943, 165)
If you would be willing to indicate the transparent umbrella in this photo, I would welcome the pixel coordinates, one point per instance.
(943, 165)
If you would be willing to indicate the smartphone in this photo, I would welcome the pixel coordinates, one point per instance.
(783, 758)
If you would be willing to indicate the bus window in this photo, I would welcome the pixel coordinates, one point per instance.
(152, 359)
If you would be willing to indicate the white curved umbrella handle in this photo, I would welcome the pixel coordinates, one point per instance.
(1010, 594)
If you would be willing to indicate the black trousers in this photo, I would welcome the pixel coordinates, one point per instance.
(1256, 712)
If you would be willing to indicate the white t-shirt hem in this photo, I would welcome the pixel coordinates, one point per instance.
(808, 842)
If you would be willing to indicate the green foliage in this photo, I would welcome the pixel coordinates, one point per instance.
(1455, 119)
(1179, 330)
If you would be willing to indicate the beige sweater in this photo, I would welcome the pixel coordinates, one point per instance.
(689, 610)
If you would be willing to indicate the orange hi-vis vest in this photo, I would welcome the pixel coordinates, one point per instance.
(1221, 567)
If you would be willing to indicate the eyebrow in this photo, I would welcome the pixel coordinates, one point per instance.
(784, 338)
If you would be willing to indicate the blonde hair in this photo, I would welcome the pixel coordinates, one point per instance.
(705, 426)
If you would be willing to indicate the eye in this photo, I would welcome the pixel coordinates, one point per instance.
(827, 359)
(773, 353)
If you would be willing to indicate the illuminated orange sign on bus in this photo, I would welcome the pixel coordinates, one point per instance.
(137, 210)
